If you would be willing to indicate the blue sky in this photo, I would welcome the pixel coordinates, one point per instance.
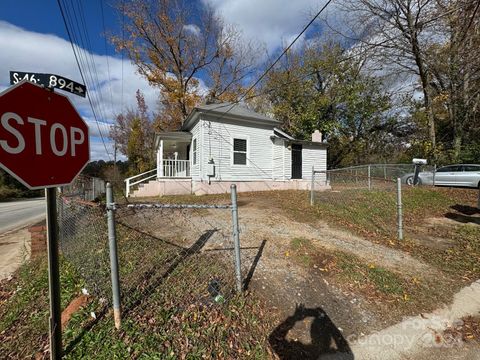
(33, 39)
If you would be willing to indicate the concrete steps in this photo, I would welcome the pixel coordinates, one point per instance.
(164, 187)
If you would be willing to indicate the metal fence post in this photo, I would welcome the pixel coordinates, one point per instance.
(112, 241)
(236, 237)
(369, 178)
(399, 209)
(312, 187)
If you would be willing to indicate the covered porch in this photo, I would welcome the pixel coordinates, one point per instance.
(173, 154)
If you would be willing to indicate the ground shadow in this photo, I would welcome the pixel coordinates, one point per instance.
(464, 219)
(243, 202)
(464, 214)
(327, 342)
(149, 275)
(151, 236)
(249, 276)
(465, 209)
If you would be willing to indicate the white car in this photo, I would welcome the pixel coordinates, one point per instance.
(461, 175)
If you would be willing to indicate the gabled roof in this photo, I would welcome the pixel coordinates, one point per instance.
(224, 111)
(282, 134)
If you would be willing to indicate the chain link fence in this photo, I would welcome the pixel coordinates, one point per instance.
(85, 188)
(375, 199)
(84, 243)
(182, 254)
(371, 195)
(171, 255)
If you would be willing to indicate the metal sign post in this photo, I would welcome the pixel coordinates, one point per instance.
(53, 276)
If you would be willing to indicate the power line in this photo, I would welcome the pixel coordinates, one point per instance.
(91, 65)
(235, 103)
(106, 57)
(260, 79)
(70, 36)
(287, 48)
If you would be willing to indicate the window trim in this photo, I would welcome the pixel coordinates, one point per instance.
(247, 153)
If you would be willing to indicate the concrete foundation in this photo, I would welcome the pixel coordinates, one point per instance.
(188, 186)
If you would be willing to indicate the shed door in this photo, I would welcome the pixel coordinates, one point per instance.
(296, 161)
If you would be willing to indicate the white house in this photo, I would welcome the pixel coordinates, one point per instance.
(221, 144)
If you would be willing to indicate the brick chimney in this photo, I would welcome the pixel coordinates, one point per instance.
(317, 136)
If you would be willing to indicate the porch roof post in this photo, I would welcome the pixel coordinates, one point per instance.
(160, 160)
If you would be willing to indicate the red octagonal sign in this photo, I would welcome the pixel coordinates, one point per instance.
(43, 140)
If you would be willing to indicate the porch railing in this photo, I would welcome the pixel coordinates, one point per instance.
(171, 169)
(137, 179)
(176, 168)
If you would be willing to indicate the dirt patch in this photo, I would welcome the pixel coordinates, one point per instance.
(257, 222)
(281, 280)
(433, 233)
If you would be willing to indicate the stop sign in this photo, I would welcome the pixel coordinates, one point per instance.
(43, 140)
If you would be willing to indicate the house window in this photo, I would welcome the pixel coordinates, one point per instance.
(194, 151)
(239, 152)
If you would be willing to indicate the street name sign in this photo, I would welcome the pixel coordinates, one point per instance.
(50, 81)
(44, 142)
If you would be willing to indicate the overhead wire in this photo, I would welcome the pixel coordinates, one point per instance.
(82, 63)
(106, 58)
(231, 106)
(92, 64)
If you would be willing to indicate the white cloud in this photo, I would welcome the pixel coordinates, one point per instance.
(98, 130)
(192, 28)
(97, 150)
(28, 51)
(271, 22)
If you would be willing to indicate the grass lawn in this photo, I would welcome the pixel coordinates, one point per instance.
(169, 323)
(395, 292)
(372, 215)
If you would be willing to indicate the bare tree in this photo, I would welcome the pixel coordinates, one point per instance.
(173, 49)
(436, 42)
(455, 67)
(398, 32)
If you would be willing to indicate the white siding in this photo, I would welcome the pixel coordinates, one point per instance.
(313, 156)
(217, 143)
(196, 134)
(278, 146)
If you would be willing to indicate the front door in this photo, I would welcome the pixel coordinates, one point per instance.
(296, 161)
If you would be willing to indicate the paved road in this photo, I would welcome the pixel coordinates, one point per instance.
(14, 236)
(16, 214)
